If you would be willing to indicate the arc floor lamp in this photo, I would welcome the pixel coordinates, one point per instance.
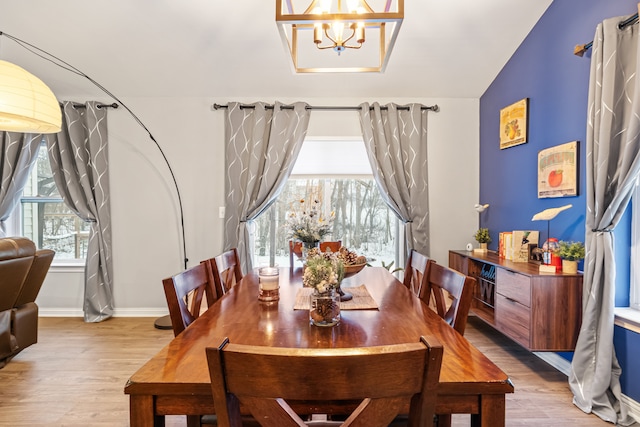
(28, 105)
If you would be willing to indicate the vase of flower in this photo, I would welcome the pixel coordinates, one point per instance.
(324, 308)
(309, 245)
(323, 272)
(306, 223)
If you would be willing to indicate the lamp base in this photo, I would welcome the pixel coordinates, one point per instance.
(163, 323)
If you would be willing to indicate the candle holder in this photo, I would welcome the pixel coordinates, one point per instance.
(269, 278)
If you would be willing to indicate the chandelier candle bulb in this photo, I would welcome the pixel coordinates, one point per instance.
(269, 278)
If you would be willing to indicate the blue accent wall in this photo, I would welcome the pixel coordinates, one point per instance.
(545, 70)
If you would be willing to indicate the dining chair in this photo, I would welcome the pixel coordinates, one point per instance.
(383, 378)
(416, 271)
(184, 293)
(453, 306)
(226, 270)
(295, 251)
(331, 246)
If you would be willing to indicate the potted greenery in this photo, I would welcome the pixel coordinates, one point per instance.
(571, 253)
(482, 237)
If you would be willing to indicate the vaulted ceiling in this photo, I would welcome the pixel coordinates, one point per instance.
(215, 48)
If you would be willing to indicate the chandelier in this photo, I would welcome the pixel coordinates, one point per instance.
(339, 35)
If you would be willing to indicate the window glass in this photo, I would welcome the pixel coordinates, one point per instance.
(362, 220)
(45, 219)
(337, 174)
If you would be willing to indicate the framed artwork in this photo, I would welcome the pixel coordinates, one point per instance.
(558, 171)
(513, 124)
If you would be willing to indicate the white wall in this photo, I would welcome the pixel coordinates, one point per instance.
(147, 245)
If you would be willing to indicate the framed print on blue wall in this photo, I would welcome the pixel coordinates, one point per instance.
(513, 124)
(558, 171)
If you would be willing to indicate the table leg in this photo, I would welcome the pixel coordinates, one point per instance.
(443, 420)
(492, 411)
(194, 421)
(141, 412)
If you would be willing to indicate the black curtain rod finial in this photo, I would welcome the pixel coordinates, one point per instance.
(113, 105)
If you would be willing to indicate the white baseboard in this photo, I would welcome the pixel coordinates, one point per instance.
(118, 312)
(140, 312)
(60, 312)
(633, 407)
(564, 366)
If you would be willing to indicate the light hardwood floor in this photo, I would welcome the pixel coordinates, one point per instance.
(75, 376)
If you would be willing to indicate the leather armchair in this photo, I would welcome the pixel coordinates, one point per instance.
(22, 272)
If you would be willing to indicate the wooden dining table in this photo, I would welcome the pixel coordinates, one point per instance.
(176, 380)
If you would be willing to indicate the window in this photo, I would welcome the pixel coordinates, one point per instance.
(338, 174)
(43, 217)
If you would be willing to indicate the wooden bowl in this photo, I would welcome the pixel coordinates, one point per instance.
(350, 270)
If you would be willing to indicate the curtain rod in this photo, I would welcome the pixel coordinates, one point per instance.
(433, 108)
(114, 105)
(580, 49)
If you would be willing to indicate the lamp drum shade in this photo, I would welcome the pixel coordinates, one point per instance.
(26, 104)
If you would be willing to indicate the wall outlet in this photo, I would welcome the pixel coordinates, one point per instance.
(221, 212)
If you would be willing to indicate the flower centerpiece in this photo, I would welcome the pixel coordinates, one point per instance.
(307, 224)
(323, 272)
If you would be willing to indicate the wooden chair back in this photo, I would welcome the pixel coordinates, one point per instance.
(331, 246)
(295, 252)
(226, 270)
(295, 249)
(416, 271)
(453, 307)
(184, 293)
(383, 378)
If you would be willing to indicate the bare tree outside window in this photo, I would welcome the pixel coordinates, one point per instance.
(46, 219)
(362, 221)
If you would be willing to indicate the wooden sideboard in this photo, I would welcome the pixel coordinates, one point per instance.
(542, 312)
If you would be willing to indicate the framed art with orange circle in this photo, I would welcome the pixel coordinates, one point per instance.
(558, 171)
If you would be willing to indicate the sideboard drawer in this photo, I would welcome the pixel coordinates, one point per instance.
(513, 319)
(514, 286)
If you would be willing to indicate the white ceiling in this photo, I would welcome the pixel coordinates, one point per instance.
(232, 49)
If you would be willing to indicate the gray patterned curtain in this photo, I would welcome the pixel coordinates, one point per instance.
(613, 165)
(396, 141)
(18, 154)
(261, 147)
(79, 162)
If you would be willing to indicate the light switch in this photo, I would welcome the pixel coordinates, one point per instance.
(221, 212)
